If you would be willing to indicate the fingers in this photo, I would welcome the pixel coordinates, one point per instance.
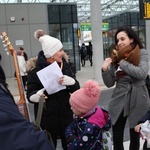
(61, 80)
(106, 64)
(108, 60)
(137, 128)
(45, 97)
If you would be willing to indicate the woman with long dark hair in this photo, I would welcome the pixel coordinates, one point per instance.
(127, 68)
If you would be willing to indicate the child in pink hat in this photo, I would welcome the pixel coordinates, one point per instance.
(85, 132)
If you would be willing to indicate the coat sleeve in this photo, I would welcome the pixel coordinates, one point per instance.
(139, 72)
(33, 83)
(73, 88)
(67, 71)
(145, 117)
(17, 132)
(109, 77)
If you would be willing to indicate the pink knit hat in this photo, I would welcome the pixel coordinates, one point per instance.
(86, 98)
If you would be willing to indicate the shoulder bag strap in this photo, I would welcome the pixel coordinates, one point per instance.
(40, 110)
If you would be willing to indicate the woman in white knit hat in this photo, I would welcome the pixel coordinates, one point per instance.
(57, 115)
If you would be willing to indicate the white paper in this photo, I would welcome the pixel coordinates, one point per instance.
(49, 78)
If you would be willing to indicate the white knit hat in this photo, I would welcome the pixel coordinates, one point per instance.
(50, 45)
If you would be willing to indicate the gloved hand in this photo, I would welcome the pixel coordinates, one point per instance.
(68, 80)
(35, 97)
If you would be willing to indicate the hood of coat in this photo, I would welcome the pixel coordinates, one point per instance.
(101, 118)
(31, 64)
(41, 60)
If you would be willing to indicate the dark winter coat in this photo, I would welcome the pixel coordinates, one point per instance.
(89, 50)
(85, 133)
(58, 113)
(83, 51)
(16, 133)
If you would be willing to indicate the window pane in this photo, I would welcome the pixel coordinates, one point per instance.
(53, 14)
(134, 18)
(65, 13)
(74, 12)
(54, 30)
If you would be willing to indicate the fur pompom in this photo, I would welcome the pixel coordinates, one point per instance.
(38, 33)
(31, 64)
(92, 89)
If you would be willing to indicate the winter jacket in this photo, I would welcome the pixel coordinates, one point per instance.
(83, 51)
(57, 113)
(22, 65)
(130, 93)
(16, 133)
(85, 133)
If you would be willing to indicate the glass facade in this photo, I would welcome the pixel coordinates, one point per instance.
(130, 19)
(62, 20)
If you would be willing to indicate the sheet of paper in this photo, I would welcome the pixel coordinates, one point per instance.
(49, 78)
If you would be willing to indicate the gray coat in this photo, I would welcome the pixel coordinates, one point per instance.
(130, 93)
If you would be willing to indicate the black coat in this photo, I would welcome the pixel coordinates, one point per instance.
(58, 114)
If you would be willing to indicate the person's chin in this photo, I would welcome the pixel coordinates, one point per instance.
(59, 61)
(121, 47)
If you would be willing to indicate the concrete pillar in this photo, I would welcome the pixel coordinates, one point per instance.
(147, 24)
(97, 40)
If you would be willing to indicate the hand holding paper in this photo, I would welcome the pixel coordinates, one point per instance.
(66, 80)
(50, 77)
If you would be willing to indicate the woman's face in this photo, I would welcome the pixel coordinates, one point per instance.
(58, 56)
(123, 40)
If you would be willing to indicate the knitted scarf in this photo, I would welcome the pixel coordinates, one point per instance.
(130, 53)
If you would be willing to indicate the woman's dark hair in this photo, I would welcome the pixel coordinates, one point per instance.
(131, 34)
(21, 48)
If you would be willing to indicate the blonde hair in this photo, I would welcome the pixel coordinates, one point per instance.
(31, 63)
(66, 57)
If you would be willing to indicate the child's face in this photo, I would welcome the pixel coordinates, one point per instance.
(77, 113)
